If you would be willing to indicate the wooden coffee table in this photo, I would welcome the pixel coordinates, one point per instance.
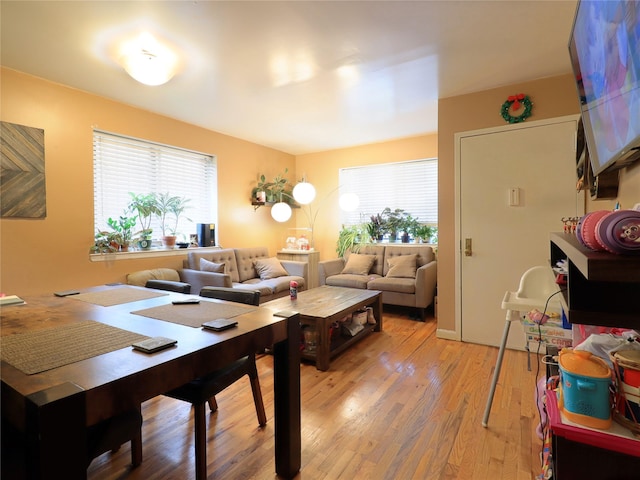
(320, 307)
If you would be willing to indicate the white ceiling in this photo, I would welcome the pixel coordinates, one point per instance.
(267, 71)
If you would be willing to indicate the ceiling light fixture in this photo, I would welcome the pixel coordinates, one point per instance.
(148, 61)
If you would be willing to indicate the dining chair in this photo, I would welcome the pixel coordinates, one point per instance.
(203, 390)
(172, 286)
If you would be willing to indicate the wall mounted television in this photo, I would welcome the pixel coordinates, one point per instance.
(604, 48)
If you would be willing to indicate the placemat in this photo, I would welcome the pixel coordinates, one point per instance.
(36, 352)
(117, 296)
(195, 315)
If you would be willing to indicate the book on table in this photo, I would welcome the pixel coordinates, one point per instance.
(11, 300)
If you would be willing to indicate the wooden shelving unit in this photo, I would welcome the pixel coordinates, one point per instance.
(602, 288)
(340, 342)
(311, 257)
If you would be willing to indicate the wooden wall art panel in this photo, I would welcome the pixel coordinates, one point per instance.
(22, 179)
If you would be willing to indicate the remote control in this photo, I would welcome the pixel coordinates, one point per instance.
(219, 324)
(187, 301)
(66, 293)
(284, 313)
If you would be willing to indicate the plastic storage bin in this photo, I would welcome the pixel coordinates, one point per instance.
(584, 389)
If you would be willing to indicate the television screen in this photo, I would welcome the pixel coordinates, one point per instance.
(605, 54)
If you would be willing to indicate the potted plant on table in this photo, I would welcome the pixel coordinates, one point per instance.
(170, 209)
(146, 206)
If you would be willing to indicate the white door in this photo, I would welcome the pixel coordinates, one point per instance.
(515, 185)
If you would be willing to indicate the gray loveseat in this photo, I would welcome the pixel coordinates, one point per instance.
(249, 268)
(405, 274)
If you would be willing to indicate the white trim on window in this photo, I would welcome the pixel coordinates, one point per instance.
(124, 164)
(410, 185)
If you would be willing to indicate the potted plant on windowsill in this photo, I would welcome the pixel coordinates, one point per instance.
(376, 228)
(394, 220)
(146, 206)
(409, 226)
(425, 233)
(106, 242)
(170, 209)
(124, 227)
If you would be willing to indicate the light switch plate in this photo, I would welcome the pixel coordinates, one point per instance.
(514, 197)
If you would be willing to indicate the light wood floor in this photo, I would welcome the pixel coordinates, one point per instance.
(401, 404)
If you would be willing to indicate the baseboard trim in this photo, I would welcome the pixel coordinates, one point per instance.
(447, 334)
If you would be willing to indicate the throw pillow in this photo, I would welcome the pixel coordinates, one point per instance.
(269, 268)
(207, 266)
(402, 266)
(359, 264)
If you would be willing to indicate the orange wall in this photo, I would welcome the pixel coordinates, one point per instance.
(45, 255)
(551, 97)
(321, 169)
(40, 256)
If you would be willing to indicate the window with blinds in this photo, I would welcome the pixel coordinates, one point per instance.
(411, 186)
(123, 164)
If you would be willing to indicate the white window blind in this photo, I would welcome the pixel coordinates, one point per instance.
(123, 164)
(411, 186)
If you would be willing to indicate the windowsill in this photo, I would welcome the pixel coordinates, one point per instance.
(136, 254)
(412, 243)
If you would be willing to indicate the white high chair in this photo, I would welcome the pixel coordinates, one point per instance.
(536, 286)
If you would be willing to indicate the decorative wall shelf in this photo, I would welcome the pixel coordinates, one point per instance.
(257, 205)
(602, 286)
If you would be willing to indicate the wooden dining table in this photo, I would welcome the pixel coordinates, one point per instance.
(55, 407)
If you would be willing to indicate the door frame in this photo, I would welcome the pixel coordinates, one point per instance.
(457, 333)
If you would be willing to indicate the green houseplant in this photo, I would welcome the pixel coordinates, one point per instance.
(123, 226)
(262, 192)
(146, 207)
(349, 238)
(106, 242)
(409, 226)
(278, 190)
(170, 209)
(425, 233)
(394, 220)
(376, 227)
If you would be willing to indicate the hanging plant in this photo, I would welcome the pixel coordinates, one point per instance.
(515, 103)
